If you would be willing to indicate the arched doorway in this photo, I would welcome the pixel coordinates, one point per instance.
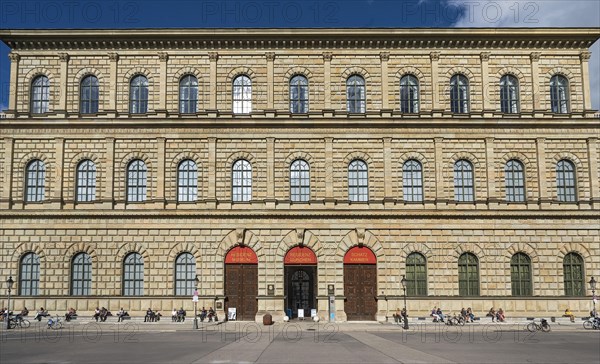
(360, 284)
(241, 282)
(300, 280)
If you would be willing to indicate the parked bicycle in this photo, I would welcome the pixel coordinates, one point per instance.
(592, 323)
(533, 326)
(456, 320)
(55, 323)
(18, 321)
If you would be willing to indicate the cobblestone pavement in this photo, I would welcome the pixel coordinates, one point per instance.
(297, 342)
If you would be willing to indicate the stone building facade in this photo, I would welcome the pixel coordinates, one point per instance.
(464, 225)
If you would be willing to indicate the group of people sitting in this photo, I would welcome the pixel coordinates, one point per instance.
(400, 315)
(40, 314)
(498, 316)
(121, 314)
(152, 316)
(437, 314)
(71, 314)
(101, 313)
(211, 315)
(178, 315)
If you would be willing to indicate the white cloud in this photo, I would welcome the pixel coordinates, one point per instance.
(543, 13)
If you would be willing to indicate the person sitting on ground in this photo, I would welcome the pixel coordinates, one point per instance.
(470, 314)
(203, 313)
(440, 314)
(569, 314)
(41, 313)
(96, 314)
(122, 313)
(149, 315)
(181, 315)
(397, 316)
(492, 314)
(24, 312)
(463, 314)
(433, 314)
(70, 313)
(500, 315)
(104, 313)
(156, 316)
(174, 315)
(212, 315)
(593, 313)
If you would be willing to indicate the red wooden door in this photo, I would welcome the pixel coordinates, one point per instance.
(241, 289)
(360, 289)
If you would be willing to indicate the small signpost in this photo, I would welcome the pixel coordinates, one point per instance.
(300, 314)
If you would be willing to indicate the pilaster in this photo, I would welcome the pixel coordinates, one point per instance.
(6, 199)
(162, 86)
(436, 108)
(112, 89)
(61, 110)
(15, 59)
(327, 56)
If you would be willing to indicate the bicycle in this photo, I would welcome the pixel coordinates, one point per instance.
(592, 324)
(534, 326)
(55, 323)
(18, 321)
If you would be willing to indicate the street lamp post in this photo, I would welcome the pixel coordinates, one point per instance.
(592, 283)
(195, 326)
(405, 313)
(9, 284)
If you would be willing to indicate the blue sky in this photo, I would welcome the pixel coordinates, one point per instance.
(35, 14)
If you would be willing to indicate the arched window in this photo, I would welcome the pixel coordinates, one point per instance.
(463, 181)
(81, 275)
(409, 94)
(459, 94)
(298, 95)
(133, 275)
(412, 181)
(509, 94)
(137, 180)
(86, 181)
(565, 181)
(242, 95)
(40, 95)
(515, 181)
(573, 272)
(185, 275)
(187, 181)
(559, 94)
(241, 181)
(468, 275)
(138, 95)
(29, 277)
(188, 94)
(355, 93)
(299, 181)
(358, 181)
(89, 95)
(416, 275)
(520, 275)
(35, 181)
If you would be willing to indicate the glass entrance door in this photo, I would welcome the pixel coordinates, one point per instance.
(300, 287)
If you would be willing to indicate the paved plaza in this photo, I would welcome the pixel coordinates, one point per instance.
(297, 342)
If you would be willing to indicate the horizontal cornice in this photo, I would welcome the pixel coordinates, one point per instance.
(302, 38)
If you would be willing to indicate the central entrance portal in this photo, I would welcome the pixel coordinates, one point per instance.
(300, 281)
